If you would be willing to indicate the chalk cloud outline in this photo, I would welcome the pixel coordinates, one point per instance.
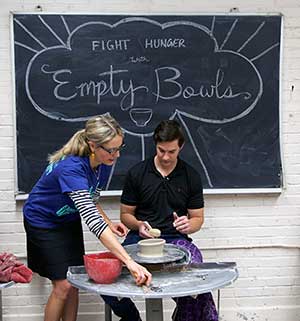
(163, 26)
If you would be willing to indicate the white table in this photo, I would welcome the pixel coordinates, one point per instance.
(3, 286)
(198, 279)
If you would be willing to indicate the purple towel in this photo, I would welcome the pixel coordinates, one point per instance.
(202, 308)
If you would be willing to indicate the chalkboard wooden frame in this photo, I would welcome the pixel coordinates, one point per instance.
(187, 117)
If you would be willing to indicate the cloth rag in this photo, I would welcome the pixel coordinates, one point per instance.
(13, 270)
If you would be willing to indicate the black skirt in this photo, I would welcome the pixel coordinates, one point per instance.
(51, 251)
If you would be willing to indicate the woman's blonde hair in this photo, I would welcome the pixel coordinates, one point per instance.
(100, 129)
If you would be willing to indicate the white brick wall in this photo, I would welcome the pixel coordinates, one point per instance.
(260, 232)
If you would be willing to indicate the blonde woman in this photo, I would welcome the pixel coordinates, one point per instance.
(67, 191)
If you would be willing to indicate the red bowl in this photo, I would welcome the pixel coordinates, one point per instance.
(102, 267)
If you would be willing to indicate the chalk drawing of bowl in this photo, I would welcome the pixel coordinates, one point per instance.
(140, 116)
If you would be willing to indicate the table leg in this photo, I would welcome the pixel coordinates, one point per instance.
(154, 310)
(1, 306)
(219, 298)
(107, 312)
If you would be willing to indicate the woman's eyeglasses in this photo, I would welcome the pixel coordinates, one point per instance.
(112, 151)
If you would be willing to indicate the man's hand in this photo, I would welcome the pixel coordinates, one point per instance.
(182, 223)
(119, 229)
(144, 228)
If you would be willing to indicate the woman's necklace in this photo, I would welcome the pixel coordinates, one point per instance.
(97, 190)
(97, 172)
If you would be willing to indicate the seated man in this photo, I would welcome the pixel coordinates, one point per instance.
(165, 192)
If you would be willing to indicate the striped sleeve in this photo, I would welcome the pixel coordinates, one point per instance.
(96, 196)
(88, 211)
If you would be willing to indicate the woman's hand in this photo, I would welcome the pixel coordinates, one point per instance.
(140, 274)
(119, 229)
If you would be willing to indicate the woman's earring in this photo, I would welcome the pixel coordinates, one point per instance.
(92, 155)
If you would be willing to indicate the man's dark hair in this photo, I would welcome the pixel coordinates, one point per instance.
(167, 131)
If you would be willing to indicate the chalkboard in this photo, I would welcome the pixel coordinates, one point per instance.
(218, 75)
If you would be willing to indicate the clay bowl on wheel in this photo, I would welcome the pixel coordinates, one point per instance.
(151, 247)
(103, 268)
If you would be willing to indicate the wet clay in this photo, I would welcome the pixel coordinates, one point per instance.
(151, 247)
(155, 232)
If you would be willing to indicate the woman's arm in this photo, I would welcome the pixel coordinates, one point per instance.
(117, 228)
(96, 223)
(140, 274)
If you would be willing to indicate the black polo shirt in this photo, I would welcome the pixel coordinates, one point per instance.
(157, 197)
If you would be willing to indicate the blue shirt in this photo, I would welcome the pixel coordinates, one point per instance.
(48, 205)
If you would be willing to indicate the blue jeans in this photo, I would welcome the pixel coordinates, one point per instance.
(202, 308)
(124, 308)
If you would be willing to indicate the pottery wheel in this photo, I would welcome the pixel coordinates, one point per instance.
(171, 253)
